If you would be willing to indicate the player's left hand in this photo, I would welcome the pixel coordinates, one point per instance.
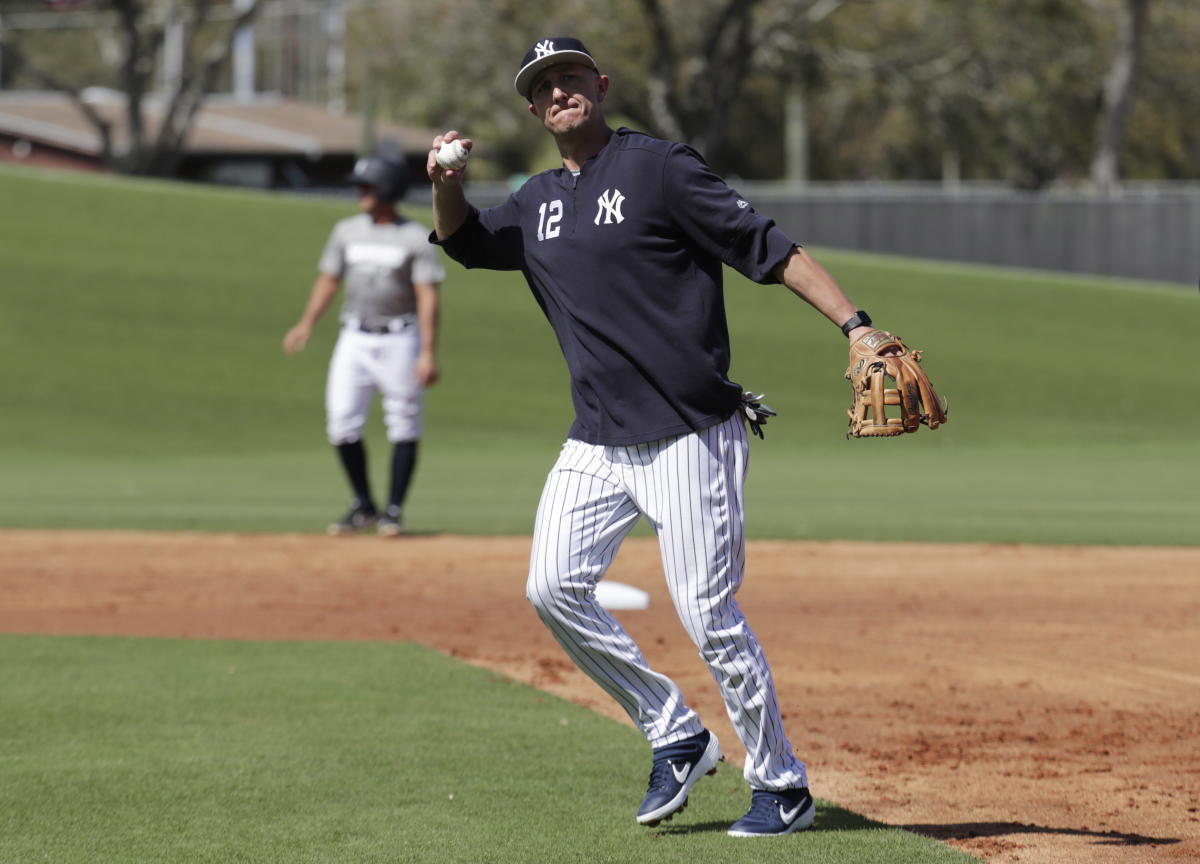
(875, 359)
(296, 338)
(427, 370)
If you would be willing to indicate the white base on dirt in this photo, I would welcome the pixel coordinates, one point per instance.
(617, 595)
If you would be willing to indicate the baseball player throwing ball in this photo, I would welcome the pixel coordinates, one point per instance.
(388, 338)
(623, 248)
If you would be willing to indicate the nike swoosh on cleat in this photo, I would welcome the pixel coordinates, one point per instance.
(680, 777)
(789, 815)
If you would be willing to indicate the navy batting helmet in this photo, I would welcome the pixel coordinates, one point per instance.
(388, 177)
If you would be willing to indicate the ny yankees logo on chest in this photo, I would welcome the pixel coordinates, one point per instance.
(608, 205)
(608, 212)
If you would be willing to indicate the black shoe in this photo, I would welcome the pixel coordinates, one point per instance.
(358, 518)
(676, 767)
(773, 814)
(391, 523)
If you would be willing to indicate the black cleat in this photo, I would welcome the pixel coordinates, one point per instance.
(357, 519)
(676, 768)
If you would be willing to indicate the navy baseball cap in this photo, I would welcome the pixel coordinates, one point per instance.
(548, 52)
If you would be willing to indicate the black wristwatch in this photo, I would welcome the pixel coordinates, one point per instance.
(859, 319)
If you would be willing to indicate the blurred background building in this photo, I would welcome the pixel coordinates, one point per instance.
(272, 115)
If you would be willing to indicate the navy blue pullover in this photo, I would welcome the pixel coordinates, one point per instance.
(625, 261)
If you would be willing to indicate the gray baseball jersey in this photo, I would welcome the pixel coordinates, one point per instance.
(378, 265)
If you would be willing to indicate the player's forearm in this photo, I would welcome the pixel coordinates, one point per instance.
(323, 291)
(813, 284)
(450, 208)
(427, 317)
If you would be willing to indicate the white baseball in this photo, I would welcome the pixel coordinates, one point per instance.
(453, 156)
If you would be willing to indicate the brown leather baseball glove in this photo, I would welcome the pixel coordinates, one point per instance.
(879, 356)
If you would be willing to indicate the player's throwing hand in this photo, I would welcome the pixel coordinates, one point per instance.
(448, 157)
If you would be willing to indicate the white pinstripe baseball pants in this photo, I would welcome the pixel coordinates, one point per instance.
(689, 487)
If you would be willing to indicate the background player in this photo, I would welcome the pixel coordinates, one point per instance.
(388, 338)
(623, 248)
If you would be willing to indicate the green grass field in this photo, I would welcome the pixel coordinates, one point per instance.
(144, 386)
(140, 751)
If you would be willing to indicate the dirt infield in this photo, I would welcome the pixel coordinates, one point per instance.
(1032, 704)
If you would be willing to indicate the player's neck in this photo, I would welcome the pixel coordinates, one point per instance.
(581, 145)
(383, 214)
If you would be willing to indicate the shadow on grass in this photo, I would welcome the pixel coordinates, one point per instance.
(830, 817)
(969, 830)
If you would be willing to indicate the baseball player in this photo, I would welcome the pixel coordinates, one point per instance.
(623, 248)
(388, 338)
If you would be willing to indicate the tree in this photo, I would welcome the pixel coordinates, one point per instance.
(929, 89)
(140, 28)
(1118, 94)
(703, 55)
(1003, 90)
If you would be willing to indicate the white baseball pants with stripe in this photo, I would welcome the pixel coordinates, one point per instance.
(689, 487)
(364, 364)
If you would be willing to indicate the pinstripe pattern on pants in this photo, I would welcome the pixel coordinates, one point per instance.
(689, 488)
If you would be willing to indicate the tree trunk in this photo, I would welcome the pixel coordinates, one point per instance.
(796, 132)
(693, 106)
(134, 85)
(1118, 95)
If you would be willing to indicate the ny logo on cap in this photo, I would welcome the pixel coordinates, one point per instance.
(544, 48)
(610, 206)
